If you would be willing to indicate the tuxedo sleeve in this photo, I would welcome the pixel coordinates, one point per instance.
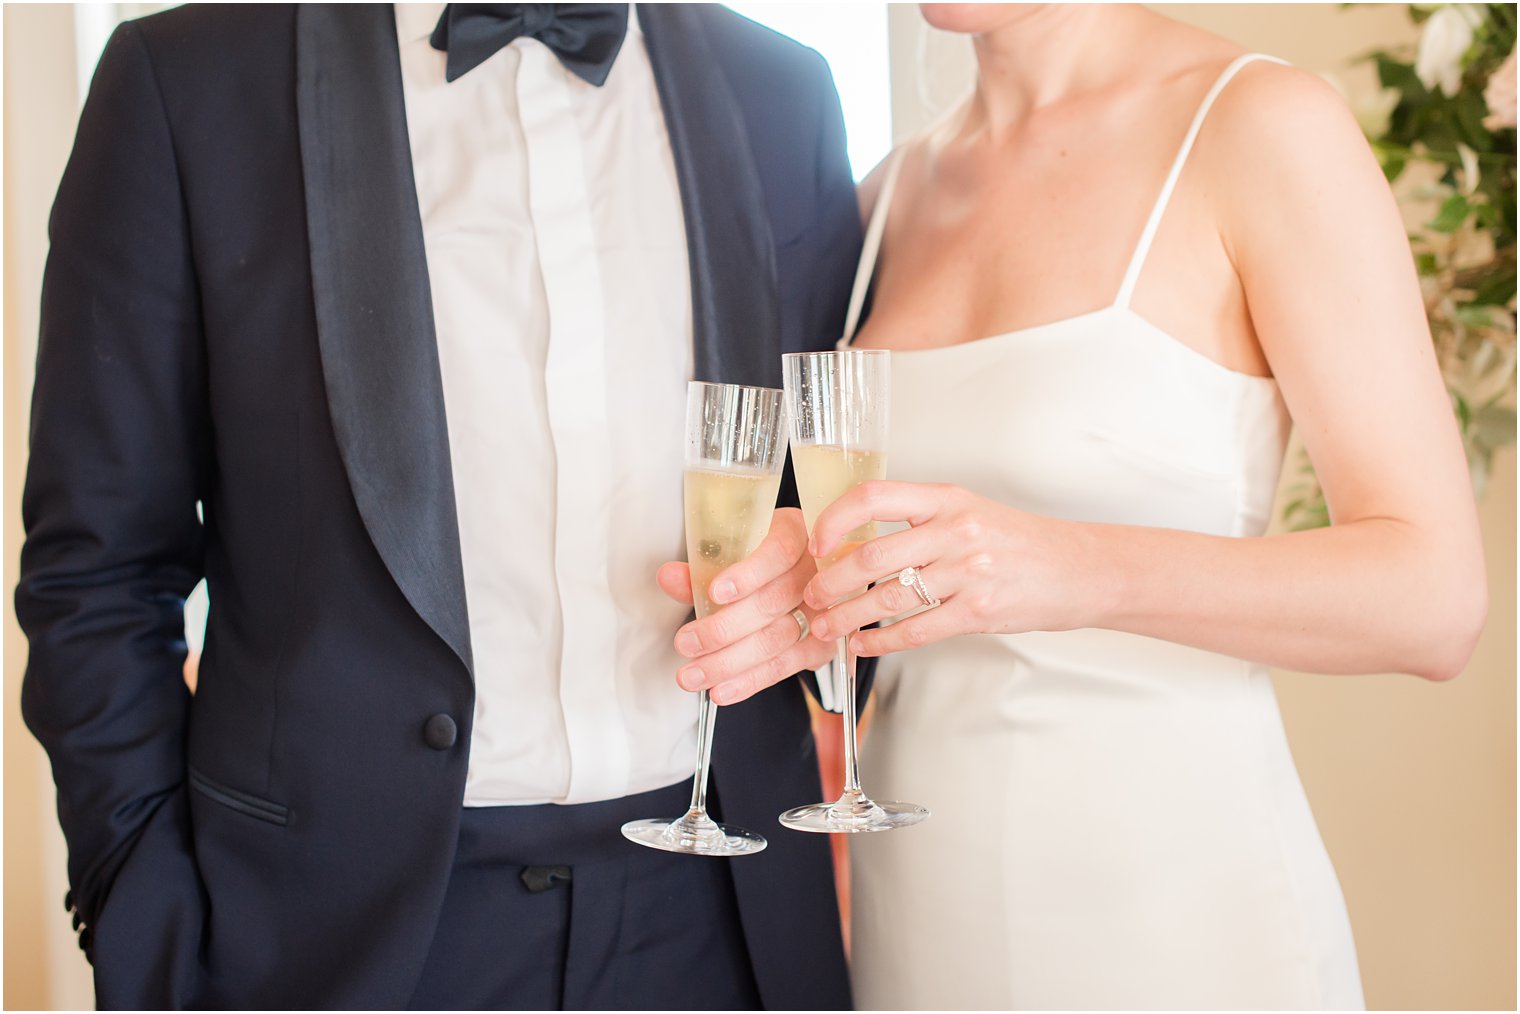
(119, 459)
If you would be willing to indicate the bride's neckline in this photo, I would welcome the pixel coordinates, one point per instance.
(1121, 304)
(995, 341)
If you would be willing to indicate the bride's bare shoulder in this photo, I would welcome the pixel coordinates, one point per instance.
(1267, 92)
(868, 189)
(1268, 106)
(1274, 118)
(1289, 168)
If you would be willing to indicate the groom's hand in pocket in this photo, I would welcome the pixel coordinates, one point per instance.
(753, 640)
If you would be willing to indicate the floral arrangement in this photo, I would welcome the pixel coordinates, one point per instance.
(1444, 130)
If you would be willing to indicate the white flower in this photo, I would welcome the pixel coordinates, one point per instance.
(1500, 96)
(1446, 38)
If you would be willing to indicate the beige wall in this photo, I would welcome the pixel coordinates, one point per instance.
(1414, 787)
(1413, 783)
(43, 966)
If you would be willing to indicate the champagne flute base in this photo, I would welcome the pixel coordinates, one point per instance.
(854, 817)
(693, 838)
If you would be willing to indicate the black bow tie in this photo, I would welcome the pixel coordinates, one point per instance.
(585, 37)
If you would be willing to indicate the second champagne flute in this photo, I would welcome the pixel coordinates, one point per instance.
(735, 449)
(837, 407)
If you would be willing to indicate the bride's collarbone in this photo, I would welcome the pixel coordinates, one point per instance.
(937, 288)
(987, 240)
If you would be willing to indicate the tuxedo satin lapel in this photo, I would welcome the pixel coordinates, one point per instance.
(373, 304)
(736, 323)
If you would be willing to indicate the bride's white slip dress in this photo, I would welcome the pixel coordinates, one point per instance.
(1117, 822)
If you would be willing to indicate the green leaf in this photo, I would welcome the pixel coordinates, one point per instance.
(1474, 316)
(1499, 288)
(1451, 216)
(1394, 73)
(1385, 148)
(1392, 157)
(1310, 516)
(1487, 215)
(1501, 27)
(1464, 412)
(1469, 109)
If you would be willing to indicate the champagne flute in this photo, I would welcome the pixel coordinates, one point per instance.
(735, 450)
(837, 405)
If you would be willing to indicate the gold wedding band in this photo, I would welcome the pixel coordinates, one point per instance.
(804, 628)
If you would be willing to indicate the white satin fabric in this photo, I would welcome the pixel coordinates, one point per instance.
(1117, 822)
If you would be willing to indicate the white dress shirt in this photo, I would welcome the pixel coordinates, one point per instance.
(562, 297)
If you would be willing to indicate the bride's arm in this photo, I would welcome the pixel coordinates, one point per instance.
(1396, 584)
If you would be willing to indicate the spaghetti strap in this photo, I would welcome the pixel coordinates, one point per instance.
(872, 246)
(1142, 249)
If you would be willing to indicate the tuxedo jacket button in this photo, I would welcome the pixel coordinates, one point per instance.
(440, 732)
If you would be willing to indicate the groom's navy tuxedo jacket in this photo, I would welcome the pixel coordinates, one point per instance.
(238, 379)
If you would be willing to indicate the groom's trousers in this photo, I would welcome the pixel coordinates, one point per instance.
(549, 907)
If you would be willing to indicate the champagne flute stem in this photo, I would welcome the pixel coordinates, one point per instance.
(844, 660)
(706, 717)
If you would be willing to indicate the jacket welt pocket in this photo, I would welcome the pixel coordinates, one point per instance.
(242, 802)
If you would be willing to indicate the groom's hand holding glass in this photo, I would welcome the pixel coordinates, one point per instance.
(755, 640)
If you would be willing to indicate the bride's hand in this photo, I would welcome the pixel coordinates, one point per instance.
(994, 569)
(752, 642)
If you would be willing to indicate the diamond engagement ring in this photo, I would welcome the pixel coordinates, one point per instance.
(910, 578)
(804, 628)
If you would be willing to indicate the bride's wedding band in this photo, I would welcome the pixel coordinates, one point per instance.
(804, 628)
(910, 578)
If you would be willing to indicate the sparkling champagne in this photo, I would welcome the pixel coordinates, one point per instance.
(727, 515)
(838, 404)
(826, 472)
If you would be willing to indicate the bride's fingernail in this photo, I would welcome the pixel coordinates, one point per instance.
(723, 591)
(687, 643)
(690, 678)
(723, 694)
